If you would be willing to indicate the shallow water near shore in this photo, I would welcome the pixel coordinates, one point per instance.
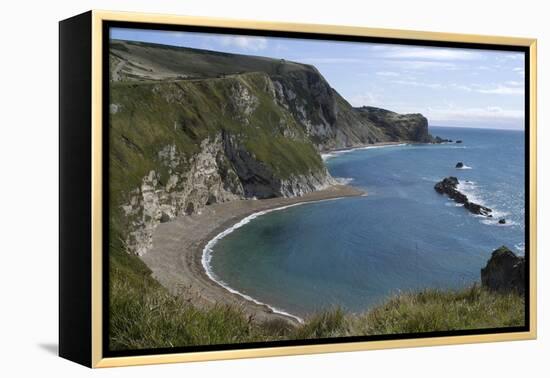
(403, 236)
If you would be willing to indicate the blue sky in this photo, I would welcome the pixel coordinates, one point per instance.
(452, 87)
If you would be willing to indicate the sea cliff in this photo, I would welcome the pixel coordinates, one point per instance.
(189, 128)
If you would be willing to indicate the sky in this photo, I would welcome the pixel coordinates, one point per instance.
(450, 86)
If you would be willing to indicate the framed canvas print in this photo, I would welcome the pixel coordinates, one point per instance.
(235, 189)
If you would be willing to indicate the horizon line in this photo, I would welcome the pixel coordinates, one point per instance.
(478, 127)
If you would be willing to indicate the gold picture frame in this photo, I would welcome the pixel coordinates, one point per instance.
(93, 264)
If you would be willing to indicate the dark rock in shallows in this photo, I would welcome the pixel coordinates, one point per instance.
(449, 185)
(459, 141)
(502, 221)
(438, 140)
(459, 165)
(477, 209)
(505, 272)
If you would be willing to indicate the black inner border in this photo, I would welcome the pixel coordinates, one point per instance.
(346, 38)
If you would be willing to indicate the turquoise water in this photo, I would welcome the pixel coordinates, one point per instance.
(355, 252)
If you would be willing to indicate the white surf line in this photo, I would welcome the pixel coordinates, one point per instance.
(471, 190)
(209, 248)
(332, 154)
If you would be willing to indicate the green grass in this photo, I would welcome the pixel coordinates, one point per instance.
(437, 310)
(144, 315)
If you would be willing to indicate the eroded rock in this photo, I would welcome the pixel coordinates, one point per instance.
(504, 272)
(448, 186)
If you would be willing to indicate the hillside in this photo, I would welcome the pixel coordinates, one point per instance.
(193, 127)
(328, 119)
(145, 315)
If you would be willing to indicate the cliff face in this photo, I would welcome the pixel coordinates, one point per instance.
(398, 127)
(190, 127)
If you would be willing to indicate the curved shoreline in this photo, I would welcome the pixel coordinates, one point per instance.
(208, 250)
(176, 258)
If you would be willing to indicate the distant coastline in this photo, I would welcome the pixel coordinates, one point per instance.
(325, 155)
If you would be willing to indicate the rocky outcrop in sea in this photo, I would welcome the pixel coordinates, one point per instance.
(448, 186)
(504, 272)
(438, 140)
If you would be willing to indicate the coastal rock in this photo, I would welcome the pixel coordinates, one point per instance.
(448, 186)
(243, 101)
(189, 186)
(504, 272)
(502, 221)
(458, 141)
(438, 140)
(459, 165)
(398, 127)
(164, 218)
(258, 180)
(478, 209)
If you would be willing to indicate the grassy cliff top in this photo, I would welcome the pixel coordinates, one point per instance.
(156, 62)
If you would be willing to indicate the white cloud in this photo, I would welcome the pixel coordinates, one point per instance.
(462, 87)
(510, 87)
(421, 64)
(281, 47)
(430, 54)
(502, 90)
(419, 84)
(514, 83)
(329, 60)
(387, 73)
(519, 70)
(245, 43)
(366, 99)
(512, 56)
(494, 114)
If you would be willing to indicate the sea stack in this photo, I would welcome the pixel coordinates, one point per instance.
(449, 186)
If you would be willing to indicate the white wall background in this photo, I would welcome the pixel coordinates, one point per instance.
(28, 189)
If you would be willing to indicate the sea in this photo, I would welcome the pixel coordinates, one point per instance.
(354, 253)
